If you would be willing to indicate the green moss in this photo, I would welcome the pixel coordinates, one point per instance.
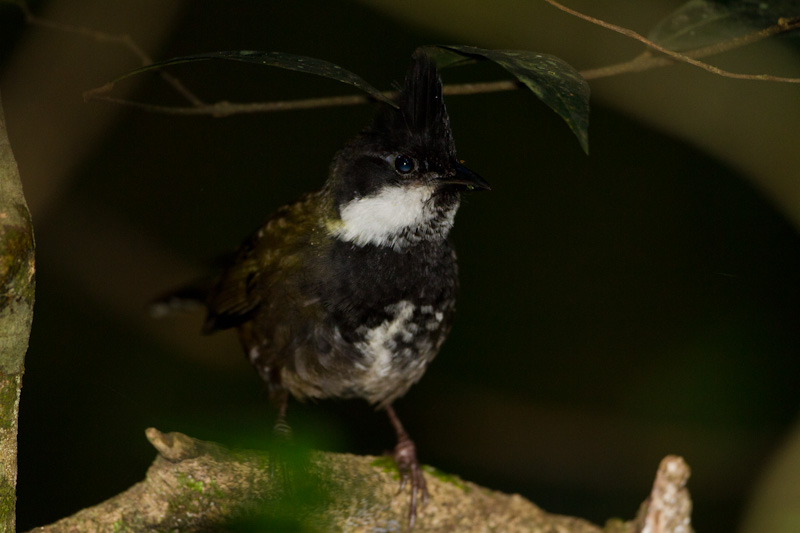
(8, 396)
(24, 214)
(16, 265)
(198, 498)
(8, 501)
(186, 503)
(444, 477)
(387, 465)
(190, 483)
(616, 525)
(213, 491)
(119, 526)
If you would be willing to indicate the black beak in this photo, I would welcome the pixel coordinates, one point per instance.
(464, 177)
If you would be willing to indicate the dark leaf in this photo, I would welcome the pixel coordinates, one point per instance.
(309, 65)
(700, 23)
(445, 57)
(551, 79)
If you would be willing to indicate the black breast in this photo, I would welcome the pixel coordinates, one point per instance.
(363, 281)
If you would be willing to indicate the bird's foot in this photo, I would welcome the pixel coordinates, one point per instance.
(282, 452)
(405, 456)
(281, 430)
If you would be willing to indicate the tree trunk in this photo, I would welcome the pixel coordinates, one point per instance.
(16, 314)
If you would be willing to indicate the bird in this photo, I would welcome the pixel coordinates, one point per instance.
(350, 292)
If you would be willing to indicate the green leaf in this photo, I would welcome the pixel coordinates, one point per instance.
(700, 23)
(309, 65)
(552, 80)
(444, 57)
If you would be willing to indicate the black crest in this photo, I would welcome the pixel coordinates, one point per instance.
(418, 128)
(422, 119)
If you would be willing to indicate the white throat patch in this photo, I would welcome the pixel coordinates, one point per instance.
(393, 217)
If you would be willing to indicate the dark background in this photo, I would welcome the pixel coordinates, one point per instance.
(615, 308)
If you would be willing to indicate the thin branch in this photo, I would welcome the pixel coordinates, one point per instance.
(124, 40)
(483, 87)
(644, 61)
(782, 26)
(647, 60)
(225, 108)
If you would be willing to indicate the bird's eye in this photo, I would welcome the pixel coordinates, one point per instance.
(404, 164)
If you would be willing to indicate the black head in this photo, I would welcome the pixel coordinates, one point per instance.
(412, 144)
(421, 126)
(401, 174)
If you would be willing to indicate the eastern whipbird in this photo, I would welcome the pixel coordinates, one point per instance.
(350, 292)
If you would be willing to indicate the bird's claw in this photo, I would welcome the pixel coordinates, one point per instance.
(405, 456)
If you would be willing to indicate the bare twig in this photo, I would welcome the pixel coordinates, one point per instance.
(225, 108)
(124, 40)
(484, 87)
(669, 506)
(690, 58)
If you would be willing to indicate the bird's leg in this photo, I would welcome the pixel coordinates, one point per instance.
(271, 374)
(281, 458)
(405, 456)
(281, 428)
